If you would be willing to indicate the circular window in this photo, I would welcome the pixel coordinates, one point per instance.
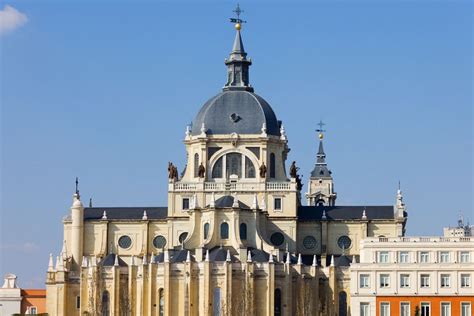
(125, 242)
(277, 239)
(183, 237)
(309, 242)
(344, 242)
(159, 242)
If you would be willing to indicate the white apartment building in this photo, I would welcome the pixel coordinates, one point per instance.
(395, 274)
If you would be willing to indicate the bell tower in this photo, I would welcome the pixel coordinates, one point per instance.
(321, 184)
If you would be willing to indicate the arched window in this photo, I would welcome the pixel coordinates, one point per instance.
(217, 169)
(243, 231)
(216, 306)
(105, 303)
(233, 164)
(196, 165)
(342, 303)
(224, 231)
(249, 168)
(161, 302)
(277, 303)
(272, 165)
(206, 230)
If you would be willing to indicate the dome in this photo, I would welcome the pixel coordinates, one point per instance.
(236, 111)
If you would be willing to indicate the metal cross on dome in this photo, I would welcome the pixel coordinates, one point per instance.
(237, 11)
(320, 129)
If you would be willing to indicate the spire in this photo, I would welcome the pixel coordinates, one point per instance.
(237, 63)
(320, 169)
(50, 264)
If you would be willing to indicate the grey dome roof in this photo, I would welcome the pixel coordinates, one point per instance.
(240, 112)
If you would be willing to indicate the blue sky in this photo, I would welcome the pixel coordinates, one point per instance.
(103, 90)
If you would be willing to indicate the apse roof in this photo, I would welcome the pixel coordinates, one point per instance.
(345, 212)
(125, 213)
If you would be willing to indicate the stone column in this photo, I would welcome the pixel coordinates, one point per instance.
(77, 227)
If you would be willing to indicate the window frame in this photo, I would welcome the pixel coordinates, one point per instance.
(188, 201)
(362, 310)
(405, 255)
(402, 310)
(365, 277)
(425, 304)
(383, 257)
(382, 312)
(385, 284)
(280, 208)
(463, 277)
(469, 311)
(445, 304)
(427, 277)
(445, 280)
(405, 280)
(464, 257)
(424, 257)
(444, 257)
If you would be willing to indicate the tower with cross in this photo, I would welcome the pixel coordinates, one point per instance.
(321, 183)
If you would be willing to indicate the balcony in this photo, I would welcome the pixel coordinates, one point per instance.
(420, 239)
(238, 186)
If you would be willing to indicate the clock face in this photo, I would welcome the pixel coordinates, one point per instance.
(344, 242)
(125, 242)
(159, 242)
(309, 242)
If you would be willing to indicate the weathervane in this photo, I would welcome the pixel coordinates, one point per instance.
(320, 130)
(77, 185)
(238, 21)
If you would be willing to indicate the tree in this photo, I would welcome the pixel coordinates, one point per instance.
(417, 310)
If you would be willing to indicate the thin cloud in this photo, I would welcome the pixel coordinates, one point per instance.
(11, 19)
(27, 247)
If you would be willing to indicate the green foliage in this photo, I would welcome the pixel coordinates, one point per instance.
(417, 310)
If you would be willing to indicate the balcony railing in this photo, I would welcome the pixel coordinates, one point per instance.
(231, 186)
(420, 239)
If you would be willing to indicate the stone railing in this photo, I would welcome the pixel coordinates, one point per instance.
(421, 239)
(231, 186)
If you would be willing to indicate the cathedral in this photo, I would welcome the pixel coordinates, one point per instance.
(239, 236)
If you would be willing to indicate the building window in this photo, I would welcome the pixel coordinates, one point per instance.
(342, 303)
(344, 242)
(465, 280)
(404, 280)
(424, 257)
(185, 204)
(425, 309)
(309, 242)
(161, 302)
(105, 304)
(277, 303)
(33, 310)
(272, 166)
(277, 239)
(243, 231)
(159, 242)
(196, 165)
(216, 308)
(445, 309)
(206, 231)
(217, 169)
(384, 280)
(444, 257)
(403, 257)
(465, 257)
(445, 280)
(78, 302)
(125, 242)
(233, 165)
(182, 237)
(364, 281)
(277, 204)
(384, 309)
(383, 256)
(224, 231)
(404, 309)
(465, 309)
(424, 280)
(249, 168)
(364, 309)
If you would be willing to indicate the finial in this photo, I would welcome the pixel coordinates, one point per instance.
(228, 256)
(50, 263)
(324, 215)
(213, 200)
(84, 262)
(364, 215)
(203, 129)
(235, 204)
(270, 259)
(320, 130)
(207, 255)
(237, 21)
(249, 256)
(264, 129)
(144, 217)
(90, 202)
(116, 262)
(188, 131)
(354, 259)
(288, 259)
(255, 202)
(166, 256)
(332, 261)
(77, 185)
(300, 260)
(152, 258)
(188, 257)
(315, 261)
(104, 215)
(282, 132)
